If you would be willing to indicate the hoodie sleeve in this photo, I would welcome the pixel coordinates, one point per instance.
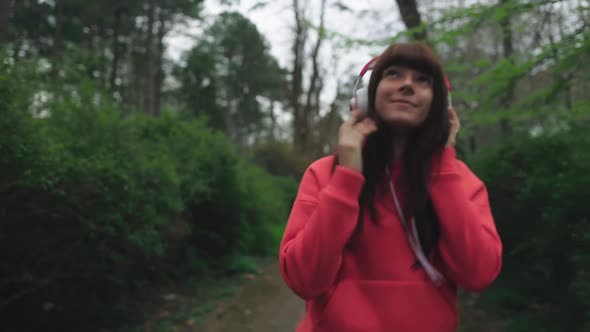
(470, 247)
(321, 222)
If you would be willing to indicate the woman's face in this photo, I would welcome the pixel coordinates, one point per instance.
(403, 97)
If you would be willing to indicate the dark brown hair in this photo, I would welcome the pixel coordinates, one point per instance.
(424, 143)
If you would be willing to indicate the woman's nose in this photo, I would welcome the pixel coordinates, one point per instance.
(408, 79)
(407, 83)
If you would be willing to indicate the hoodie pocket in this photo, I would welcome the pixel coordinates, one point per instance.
(387, 306)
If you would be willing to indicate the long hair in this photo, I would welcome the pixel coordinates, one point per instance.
(424, 143)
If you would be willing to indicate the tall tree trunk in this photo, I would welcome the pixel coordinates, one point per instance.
(271, 137)
(408, 10)
(4, 21)
(116, 50)
(159, 79)
(150, 73)
(565, 77)
(91, 46)
(315, 86)
(230, 121)
(101, 42)
(507, 47)
(138, 70)
(57, 36)
(328, 133)
(297, 77)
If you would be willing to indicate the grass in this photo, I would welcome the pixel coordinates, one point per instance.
(185, 307)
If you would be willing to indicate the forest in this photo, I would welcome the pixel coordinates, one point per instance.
(123, 168)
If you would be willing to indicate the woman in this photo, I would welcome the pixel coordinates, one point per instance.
(383, 233)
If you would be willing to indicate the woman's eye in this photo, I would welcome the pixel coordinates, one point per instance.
(424, 79)
(392, 72)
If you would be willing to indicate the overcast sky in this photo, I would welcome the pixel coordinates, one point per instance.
(367, 19)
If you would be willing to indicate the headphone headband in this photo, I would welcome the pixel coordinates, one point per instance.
(369, 66)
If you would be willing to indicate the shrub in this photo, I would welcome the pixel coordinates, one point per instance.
(538, 188)
(279, 159)
(93, 200)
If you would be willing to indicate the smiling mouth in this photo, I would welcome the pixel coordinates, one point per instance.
(403, 102)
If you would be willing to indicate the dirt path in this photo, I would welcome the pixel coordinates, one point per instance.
(263, 304)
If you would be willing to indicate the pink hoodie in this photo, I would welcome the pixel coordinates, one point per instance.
(369, 285)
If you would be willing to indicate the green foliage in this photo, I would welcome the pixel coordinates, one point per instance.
(536, 82)
(263, 213)
(93, 194)
(119, 202)
(538, 188)
(203, 166)
(226, 74)
(279, 159)
(19, 145)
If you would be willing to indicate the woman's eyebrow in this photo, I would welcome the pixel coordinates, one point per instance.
(392, 67)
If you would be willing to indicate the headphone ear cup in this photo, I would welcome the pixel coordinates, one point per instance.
(362, 97)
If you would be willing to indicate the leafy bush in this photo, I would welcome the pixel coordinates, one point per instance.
(205, 167)
(265, 200)
(279, 159)
(90, 199)
(538, 190)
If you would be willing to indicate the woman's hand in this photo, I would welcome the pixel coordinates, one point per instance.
(455, 126)
(351, 139)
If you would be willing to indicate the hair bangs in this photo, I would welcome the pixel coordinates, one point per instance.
(414, 56)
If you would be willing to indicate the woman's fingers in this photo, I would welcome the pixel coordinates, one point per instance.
(454, 118)
(455, 126)
(355, 115)
(366, 126)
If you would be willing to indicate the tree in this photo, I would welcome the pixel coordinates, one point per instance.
(161, 16)
(150, 82)
(57, 35)
(411, 16)
(508, 50)
(200, 84)
(296, 80)
(305, 103)
(4, 21)
(120, 43)
(228, 76)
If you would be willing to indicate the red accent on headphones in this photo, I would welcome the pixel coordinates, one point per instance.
(448, 83)
(369, 66)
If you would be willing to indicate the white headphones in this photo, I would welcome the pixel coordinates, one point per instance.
(361, 96)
